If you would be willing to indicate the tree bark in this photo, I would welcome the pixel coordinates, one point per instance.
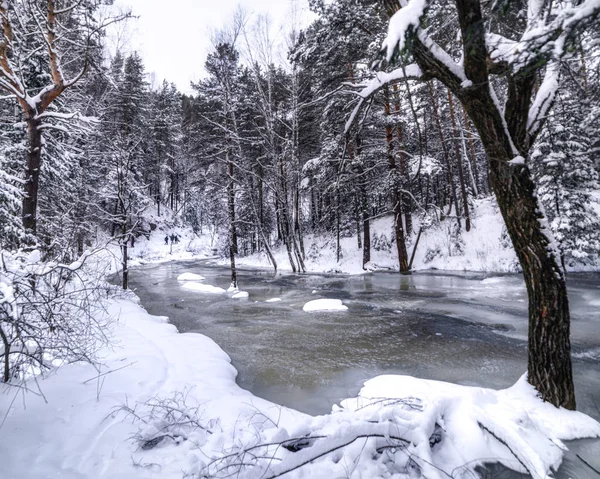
(549, 367)
(395, 194)
(32, 173)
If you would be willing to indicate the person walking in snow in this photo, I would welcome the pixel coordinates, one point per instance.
(167, 239)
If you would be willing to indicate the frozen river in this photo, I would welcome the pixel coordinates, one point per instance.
(466, 328)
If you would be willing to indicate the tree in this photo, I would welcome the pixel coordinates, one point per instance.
(57, 38)
(504, 58)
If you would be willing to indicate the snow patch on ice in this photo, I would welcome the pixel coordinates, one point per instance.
(240, 295)
(472, 426)
(325, 305)
(203, 288)
(273, 300)
(190, 277)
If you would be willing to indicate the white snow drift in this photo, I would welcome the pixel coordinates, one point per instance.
(203, 288)
(190, 277)
(325, 305)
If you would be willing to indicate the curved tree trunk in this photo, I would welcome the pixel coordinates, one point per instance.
(549, 353)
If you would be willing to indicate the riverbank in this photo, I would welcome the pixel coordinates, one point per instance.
(441, 246)
(80, 422)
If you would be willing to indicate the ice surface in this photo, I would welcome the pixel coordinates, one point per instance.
(325, 305)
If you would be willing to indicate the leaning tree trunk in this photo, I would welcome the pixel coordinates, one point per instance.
(549, 366)
(32, 173)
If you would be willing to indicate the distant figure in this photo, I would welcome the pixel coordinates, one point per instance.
(167, 239)
(172, 238)
(132, 241)
(176, 238)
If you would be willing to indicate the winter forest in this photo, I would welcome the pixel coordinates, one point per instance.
(364, 242)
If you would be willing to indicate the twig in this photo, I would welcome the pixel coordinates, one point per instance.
(108, 372)
(588, 464)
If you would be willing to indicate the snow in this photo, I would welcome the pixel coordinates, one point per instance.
(325, 305)
(84, 426)
(76, 430)
(273, 300)
(485, 248)
(203, 288)
(405, 19)
(517, 160)
(190, 277)
(513, 426)
(240, 295)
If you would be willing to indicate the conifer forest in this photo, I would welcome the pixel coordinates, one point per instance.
(364, 242)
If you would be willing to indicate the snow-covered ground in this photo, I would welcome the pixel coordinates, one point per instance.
(486, 247)
(481, 249)
(77, 428)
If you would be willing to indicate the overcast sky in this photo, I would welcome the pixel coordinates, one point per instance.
(172, 36)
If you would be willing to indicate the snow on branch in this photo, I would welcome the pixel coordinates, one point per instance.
(381, 79)
(544, 99)
(405, 19)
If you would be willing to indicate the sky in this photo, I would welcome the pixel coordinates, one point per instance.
(173, 37)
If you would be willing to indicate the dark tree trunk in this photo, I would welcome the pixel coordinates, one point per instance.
(32, 173)
(549, 366)
(366, 230)
(233, 248)
(503, 134)
(124, 264)
(231, 207)
(396, 195)
(449, 173)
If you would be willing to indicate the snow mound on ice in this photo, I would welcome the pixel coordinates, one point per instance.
(325, 305)
(452, 427)
(190, 277)
(273, 300)
(203, 288)
(240, 294)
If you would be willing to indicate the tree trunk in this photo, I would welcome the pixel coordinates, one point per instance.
(449, 174)
(394, 183)
(32, 173)
(124, 263)
(461, 175)
(549, 367)
(231, 206)
(366, 230)
(231, 215)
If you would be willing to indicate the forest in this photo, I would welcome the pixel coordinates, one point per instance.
(383, 135)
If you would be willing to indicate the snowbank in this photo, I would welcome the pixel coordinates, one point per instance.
(325, 305)
(76, 429)
(203, 288)
(240, 295)
(190, 277)
(471, 426)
